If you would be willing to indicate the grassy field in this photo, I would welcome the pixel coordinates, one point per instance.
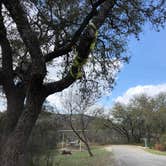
(155, 151)
(101, 158)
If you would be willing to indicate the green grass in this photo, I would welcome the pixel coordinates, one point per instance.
(101, 158)
(155, 152)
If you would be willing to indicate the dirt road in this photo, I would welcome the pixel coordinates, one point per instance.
(134, 156)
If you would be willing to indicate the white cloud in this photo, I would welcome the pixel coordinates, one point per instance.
(150, 90)
(55, 101)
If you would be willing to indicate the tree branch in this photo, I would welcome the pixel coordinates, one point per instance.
(74, 73)
(67, 48)
(28, 36)
(103, 13)
(84, 49)
(7, 61)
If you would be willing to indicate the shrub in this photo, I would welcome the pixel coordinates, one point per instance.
(159, 147)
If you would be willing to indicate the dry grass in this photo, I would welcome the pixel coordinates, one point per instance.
(101, 157)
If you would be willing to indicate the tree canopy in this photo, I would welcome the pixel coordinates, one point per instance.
(55, 27)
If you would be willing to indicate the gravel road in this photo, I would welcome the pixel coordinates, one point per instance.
(134, 156)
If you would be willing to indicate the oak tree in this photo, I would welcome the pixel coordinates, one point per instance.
(37, 33)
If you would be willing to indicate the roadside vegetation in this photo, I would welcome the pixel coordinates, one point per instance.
(143, 118)
(153, 151)
(101, 157)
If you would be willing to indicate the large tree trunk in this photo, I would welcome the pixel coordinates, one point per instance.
(15, 105)
(13, 153)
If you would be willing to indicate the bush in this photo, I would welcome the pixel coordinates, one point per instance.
(159, 147)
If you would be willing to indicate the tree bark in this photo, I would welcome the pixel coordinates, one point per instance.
(13, 153)
(89, 149)
(87, 144)
(15, 105)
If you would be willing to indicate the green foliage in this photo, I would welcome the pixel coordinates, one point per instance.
(77, 63)
(155, 152)
(142, 117)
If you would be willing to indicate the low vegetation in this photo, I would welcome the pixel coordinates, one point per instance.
(153, 151)
(101, 157)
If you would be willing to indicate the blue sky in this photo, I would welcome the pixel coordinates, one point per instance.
(147, 65)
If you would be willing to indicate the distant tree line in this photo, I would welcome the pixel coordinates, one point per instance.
(142, 117)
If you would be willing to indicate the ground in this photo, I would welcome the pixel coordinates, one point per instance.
(115, 155)
(102, 157)
(135, 156)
